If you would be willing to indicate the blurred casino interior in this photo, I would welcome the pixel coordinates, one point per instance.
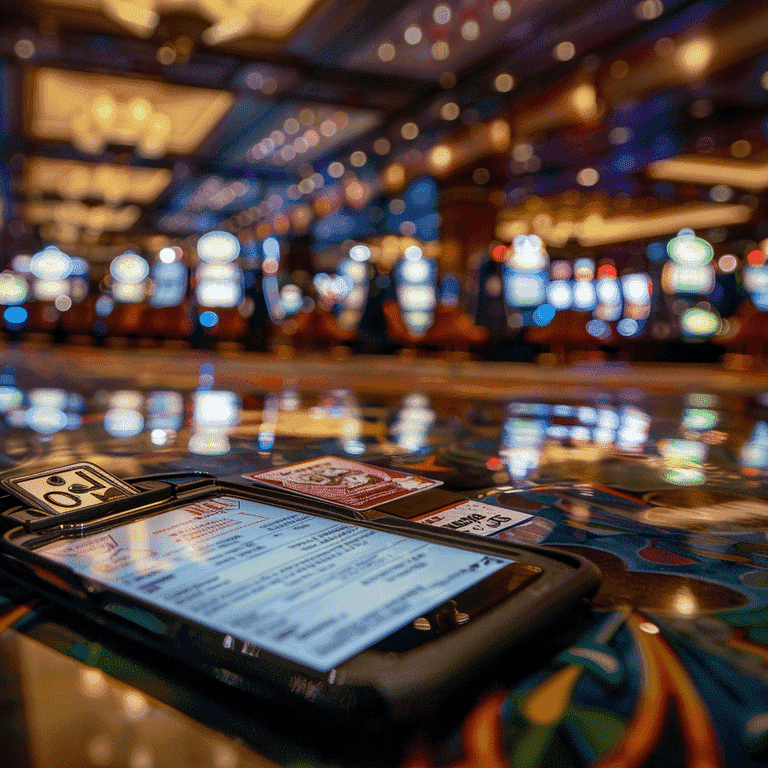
(512, 181)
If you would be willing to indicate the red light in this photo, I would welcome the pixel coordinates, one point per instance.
(606, 270)
(756, 258)
(494, 464)
(499, 253)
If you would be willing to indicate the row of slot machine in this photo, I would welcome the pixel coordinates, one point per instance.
(235, 292)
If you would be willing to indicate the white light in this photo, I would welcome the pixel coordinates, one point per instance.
(215, 408)
(415, 271)
(167, 255)
(129, 268)
(360, 252)
(559, 294)
(50, 264)
(123, 422)
(413, 34)
(219, 247)
(413, 253)
(441, 14)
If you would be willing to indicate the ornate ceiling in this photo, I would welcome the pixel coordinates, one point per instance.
(134, 121)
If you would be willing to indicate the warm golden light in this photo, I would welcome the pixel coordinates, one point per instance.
(112, 183)
(229, 19)
(499, 134)
(694, 56)
(93, 110)
(440, 157)
(696, 169)
(583, 100)
(394, 176)
(592, 227)
(504, 82)
(95, 218)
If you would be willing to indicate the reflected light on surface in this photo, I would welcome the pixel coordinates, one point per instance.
(583, 101)
(694, 56)
(213, 408)
(123, 422)
(209, 443)
(684, 602)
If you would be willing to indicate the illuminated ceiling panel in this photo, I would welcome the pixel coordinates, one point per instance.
(80, 216)
(427, 38)
(742, 174)
(156, 117)
(599, 224)
(301, 133)
(229, 19)
(111, 183)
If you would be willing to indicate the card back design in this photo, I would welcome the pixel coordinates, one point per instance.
(349, 484)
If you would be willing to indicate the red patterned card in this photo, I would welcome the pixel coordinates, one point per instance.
(349, 484)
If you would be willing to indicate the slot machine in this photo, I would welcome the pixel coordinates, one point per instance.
(416, 290)
(689, 276)
(526, 279)
(129, 273)
(14, 290)
(49, 270)
(355, 274)
(636, 291)
(220, 287)
(168, 313)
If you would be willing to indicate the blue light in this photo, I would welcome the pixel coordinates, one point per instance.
(271, 248)
(597, 328)
(656, 251)
(544, 315)
(15, 315)
(627, 326)
(208, 319)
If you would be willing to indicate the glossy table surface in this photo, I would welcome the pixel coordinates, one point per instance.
(658, 475)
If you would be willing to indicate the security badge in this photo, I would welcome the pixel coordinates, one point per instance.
(64, 489)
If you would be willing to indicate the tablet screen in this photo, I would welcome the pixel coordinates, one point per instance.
(310, 589)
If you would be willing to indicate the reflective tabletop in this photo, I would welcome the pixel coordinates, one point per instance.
(657, 475)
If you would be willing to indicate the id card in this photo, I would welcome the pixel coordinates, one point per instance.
(63, 489)
(474, 517)
(349, 484)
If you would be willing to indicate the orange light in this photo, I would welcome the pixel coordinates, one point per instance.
(606, 270)
(499, 253)
(440, 157)
(394, 176)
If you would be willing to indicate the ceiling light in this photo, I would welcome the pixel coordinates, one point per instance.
(450, 111)
(413, 34)
(564, 51)
(502, 10)
(470, 30)
(440, 157)
(94, 110)
(386, 51)
(504, 82)
(441, 14)
(409, 131)
(440, 50)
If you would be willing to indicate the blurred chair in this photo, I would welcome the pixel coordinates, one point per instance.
(568, 340)
(452, 330)
(745, 337)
